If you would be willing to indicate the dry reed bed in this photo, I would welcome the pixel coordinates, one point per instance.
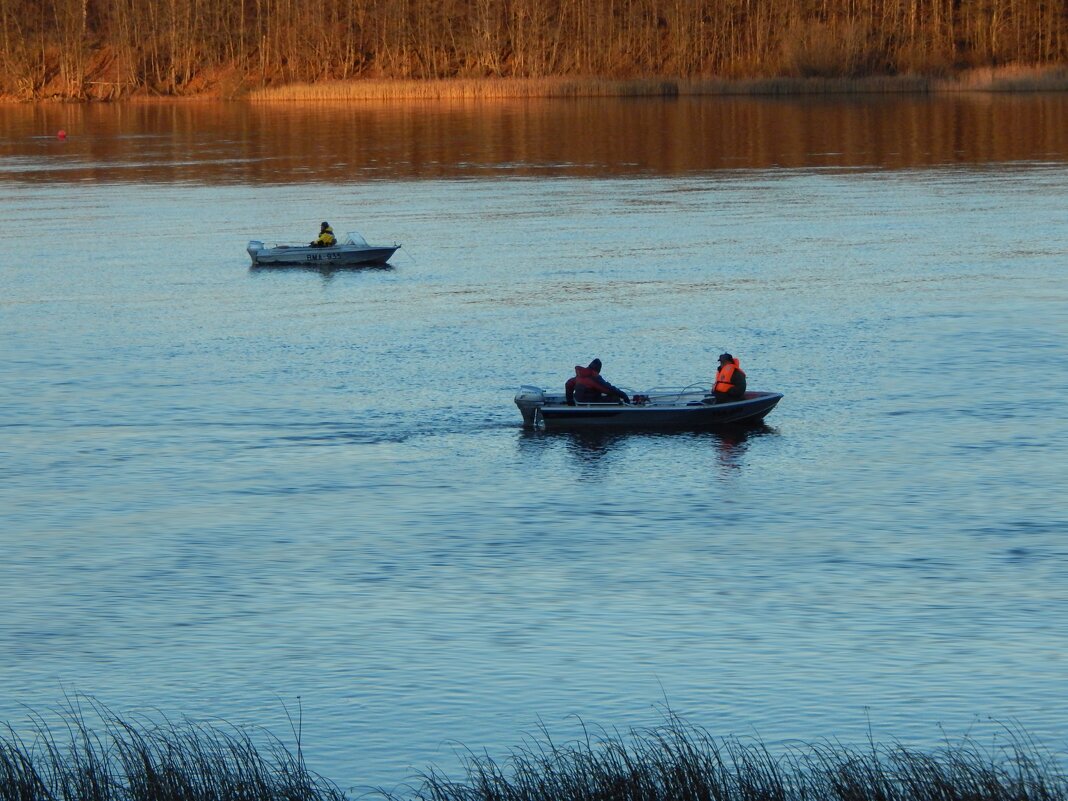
(140, 760)
(1002, 79)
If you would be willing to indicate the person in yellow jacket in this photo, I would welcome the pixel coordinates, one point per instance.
(730, 380)
(326, 237)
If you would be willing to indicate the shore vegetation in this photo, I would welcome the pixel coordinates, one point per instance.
(680, 762)
(1002, 79)
(141, 759)
(112, 49)
(88, 753)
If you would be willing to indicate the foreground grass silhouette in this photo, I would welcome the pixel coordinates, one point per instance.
(137, 760)
(143, 760)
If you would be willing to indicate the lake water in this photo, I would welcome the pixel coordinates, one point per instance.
(225, 489)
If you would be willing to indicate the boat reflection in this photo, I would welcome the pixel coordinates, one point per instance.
(596, 451)
(733, 442)
(326, 272)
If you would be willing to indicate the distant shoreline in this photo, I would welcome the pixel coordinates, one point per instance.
(1004, 79)
(986, 79)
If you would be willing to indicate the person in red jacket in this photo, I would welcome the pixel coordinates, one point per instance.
(588, 387)
(730, 380)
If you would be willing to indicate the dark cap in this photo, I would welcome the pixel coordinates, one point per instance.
(726, 357)
(595, 365)
(325, 225)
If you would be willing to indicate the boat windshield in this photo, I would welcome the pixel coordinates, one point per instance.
(355, 239)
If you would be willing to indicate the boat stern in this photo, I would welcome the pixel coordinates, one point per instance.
(529, 400)
(254, 248)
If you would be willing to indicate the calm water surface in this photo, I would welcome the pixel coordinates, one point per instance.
(224, 489)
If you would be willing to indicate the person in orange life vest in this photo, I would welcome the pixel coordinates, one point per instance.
(588, 387)
(730, 380)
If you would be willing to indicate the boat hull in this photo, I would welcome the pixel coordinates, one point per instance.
(339, 256)
(683, 414)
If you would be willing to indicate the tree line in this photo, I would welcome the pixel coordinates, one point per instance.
(114, 48)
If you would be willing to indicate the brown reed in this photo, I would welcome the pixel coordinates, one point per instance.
(1000, 79)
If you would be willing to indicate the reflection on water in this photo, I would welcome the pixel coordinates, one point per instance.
(349, 142)
(325, 271)
(732, 443)
(593, 453)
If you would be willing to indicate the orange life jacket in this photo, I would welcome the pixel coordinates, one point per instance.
(587, 379)
(725, 376)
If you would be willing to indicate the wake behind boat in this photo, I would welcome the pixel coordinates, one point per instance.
(352, 252)
(688, 408)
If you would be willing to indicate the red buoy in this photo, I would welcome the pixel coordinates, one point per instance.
(62, 134)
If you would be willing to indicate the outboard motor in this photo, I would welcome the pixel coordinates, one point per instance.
(529, 399)
(254, 248)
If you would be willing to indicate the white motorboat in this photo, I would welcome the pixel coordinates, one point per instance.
(689, 408)
(354, 251)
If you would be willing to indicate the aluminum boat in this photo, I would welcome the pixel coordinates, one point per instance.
(688, 408)
(354, 251)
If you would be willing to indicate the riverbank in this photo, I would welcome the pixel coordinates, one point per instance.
(122, 759)
(1001, 79)
(987, 79)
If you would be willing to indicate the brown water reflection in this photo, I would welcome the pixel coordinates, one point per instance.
(237, 142)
